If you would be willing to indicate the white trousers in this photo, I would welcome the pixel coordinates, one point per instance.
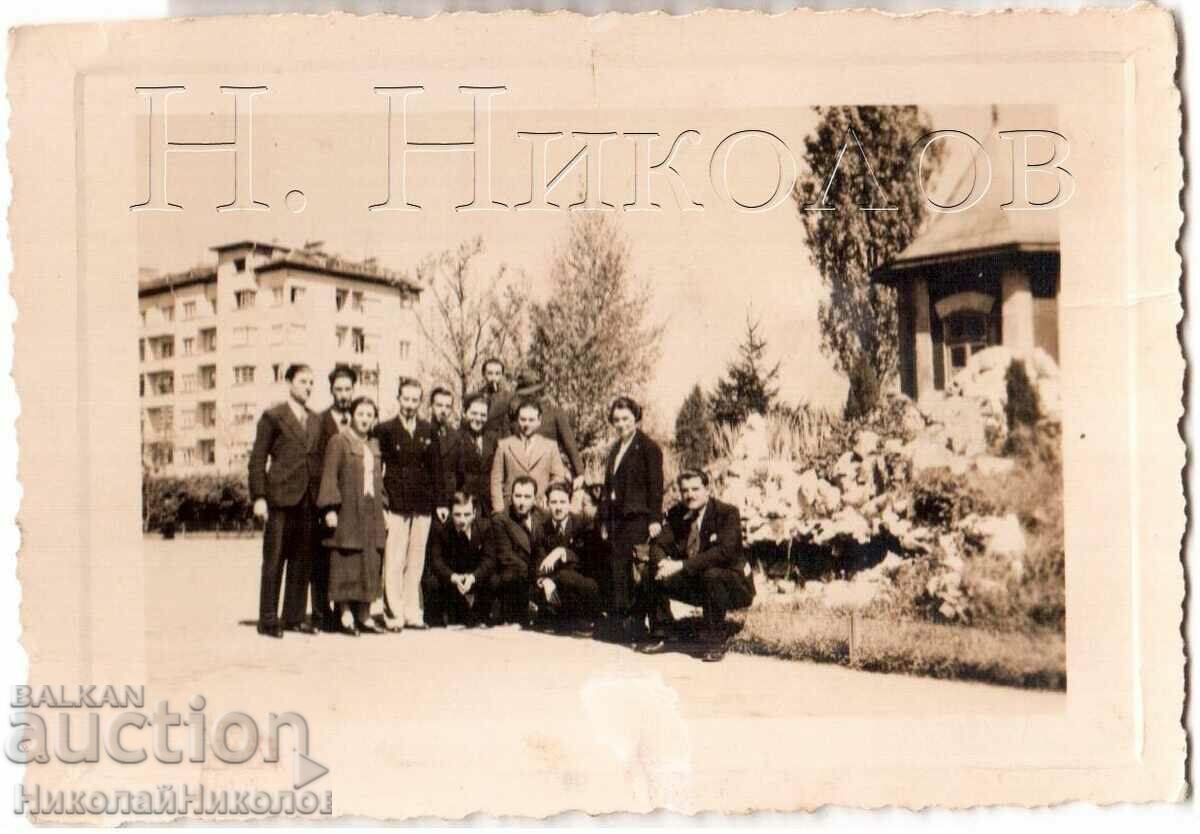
(403, 565)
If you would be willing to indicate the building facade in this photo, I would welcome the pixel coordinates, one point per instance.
(981, 277)
(215, 342)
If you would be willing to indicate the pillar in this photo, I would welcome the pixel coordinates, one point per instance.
(922, 339)
(1016, 312)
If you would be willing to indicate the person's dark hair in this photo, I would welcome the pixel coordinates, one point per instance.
(440, 390)
(357, 401)
(628, 404)
(340, 370)
(492, 360)
(463, 498)
(472, 399)
(409, 382)
(522, 403)
(559, 486)
(525, 479)
(691, 475)
(294, 369)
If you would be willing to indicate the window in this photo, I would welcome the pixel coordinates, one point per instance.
(162, 348)
(243, 413)
(189, 345)
(243, 299)
(277, 372)
(189, 309)
(168, 312)
(206, 415)
(141, 385)
(142, 349)
(358, 341)
(965, 334)
(143, 318)
(189, 383)
(160, 454)
(208, 340)
(207, 451)
(188, 455)
(297, 294)
(239, 264)
(369, 377)
(187, 418)
(277, 296)
(161, 419)
(243, 375)
(243, 336)
(208, 377)
(407, 300)
(340, 335)
(339, 298)
(405, 349)
(356, 301)
(163, 383)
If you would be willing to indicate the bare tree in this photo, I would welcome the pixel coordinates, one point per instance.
(467, 318)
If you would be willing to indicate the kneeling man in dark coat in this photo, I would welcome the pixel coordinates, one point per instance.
(458, 579)
(568, 563)
(515, 540)
(699, 560)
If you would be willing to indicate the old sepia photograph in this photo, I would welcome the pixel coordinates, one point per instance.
(567, 448)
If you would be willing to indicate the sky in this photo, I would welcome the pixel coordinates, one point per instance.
(707, 270)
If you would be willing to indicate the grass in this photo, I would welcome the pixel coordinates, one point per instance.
(1029, 659)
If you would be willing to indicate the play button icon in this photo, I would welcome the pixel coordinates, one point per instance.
(305, 771)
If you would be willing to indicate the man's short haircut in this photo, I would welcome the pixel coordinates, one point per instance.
(409, 382)
(493, 360)
(523, 403)
(628, 404)
(691, 475)
(357, 401)
(462, 499)
(559, 486)
(525, 479)
(440, 390)
(340, 370)
(294, 369)
(472, 399)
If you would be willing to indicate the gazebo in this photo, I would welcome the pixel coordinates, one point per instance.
(976, 278)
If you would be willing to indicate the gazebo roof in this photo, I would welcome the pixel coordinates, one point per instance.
(986, 228)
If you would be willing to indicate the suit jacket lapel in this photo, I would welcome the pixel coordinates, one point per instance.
(291, 423)
(522, 538)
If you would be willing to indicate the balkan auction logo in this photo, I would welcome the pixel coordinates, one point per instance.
(84, 727)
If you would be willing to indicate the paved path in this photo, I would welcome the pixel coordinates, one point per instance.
(531, 723)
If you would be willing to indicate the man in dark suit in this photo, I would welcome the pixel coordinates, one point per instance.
(334, 420)
(497, 397)
(285, 474)
(416, 490)
(471, 452)
(699, 560)
(555, 425)
(567, 584)
(516, 537)
(457, 582)
(631, 509)
(441, 403)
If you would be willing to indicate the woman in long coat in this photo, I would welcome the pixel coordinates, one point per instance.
(352, 500)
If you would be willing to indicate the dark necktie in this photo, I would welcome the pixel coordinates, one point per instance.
(693, 539)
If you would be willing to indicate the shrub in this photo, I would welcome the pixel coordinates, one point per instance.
(1021, 407)
(197, 502)
(864, 390)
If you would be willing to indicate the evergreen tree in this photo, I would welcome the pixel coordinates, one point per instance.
(864, 390)
(592, 339)
(748, 386)
(692, 442)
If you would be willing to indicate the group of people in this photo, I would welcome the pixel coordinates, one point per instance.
(412, 523)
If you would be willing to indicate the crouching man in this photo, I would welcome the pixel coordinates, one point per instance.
(457, 585)
(698, 559)
(515, 540)
(568, 564)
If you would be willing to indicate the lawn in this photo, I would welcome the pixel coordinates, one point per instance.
(1035, 659)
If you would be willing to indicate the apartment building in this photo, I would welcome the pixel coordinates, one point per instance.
(216, 340)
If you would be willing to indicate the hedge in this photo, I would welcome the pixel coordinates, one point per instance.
(196, 502)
